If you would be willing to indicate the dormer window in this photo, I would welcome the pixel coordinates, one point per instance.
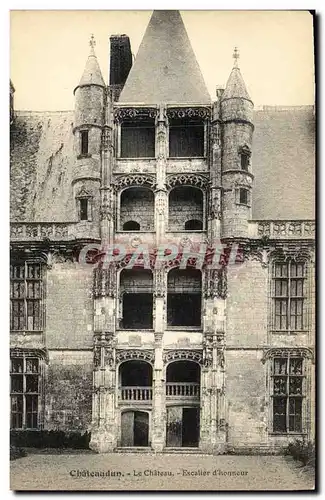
(138, 139)
(84, 142)
(186, 138)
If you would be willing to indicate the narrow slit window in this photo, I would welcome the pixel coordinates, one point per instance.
(83, 209)
(84, 142)
(243, 196)
(244, 161)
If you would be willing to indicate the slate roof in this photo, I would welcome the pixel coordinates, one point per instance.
(92, 73)
(42, 160)
(165, 68)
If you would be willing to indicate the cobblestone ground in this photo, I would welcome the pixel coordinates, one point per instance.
(136, 471)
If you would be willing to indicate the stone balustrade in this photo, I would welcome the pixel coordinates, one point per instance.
(282, 229)
(38, 231)
(183, 390)
(136, 393)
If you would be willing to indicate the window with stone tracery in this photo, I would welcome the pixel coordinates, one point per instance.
(289, 295)
(186, 138)
(26, 288)
(138, 139)
(25, 392)
(288, 392)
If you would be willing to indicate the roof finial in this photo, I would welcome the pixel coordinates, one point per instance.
(92, 43)
(236, 57)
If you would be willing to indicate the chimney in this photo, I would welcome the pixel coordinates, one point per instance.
(120, 63)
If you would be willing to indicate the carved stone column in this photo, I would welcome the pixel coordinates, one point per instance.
(214, 205)
(161, 195)
(104, 427)
(158, 402)
(107, 195)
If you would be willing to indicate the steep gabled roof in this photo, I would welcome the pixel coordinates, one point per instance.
(165, 69)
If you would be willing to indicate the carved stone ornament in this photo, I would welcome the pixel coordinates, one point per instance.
(106, 210)
(127, 354)
(196, 180)
(124, 114)
(284, 352)
(160, 285)
(105, 281)
(193, 112)
(189, 355)
(123, 181)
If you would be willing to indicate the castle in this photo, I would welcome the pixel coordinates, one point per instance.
(212, 350)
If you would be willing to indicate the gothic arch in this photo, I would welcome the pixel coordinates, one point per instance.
(183, 355)
(283, 352)
(194, 180)
(134, 354)
(134, 180)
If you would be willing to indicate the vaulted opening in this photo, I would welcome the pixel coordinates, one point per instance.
(136, 289)
(138, 139)
(185, 209)
(184, 297)
(183, 371)
(135, 373)
(137, 209)
(186, 138)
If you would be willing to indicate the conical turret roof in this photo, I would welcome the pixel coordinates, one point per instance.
(235, 85)
(92, 73)
(165, 69)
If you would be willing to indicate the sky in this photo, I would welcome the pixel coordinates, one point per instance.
(49, 49)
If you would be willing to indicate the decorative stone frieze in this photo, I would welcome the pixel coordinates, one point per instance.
(193, 112)
(122, 114)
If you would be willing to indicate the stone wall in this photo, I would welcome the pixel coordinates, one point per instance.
(68, 390)
(69, 306)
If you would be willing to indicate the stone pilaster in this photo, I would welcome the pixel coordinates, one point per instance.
(107, 194)
(104, 428)
(214, 203)
(161, 195)
(158, 403)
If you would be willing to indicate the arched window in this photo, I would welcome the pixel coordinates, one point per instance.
(185, 204)
(131, 225)
(193, 225)
(184, 297)
(136, 289)
(137, 207)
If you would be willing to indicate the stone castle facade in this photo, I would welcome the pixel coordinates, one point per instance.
(178, 355)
